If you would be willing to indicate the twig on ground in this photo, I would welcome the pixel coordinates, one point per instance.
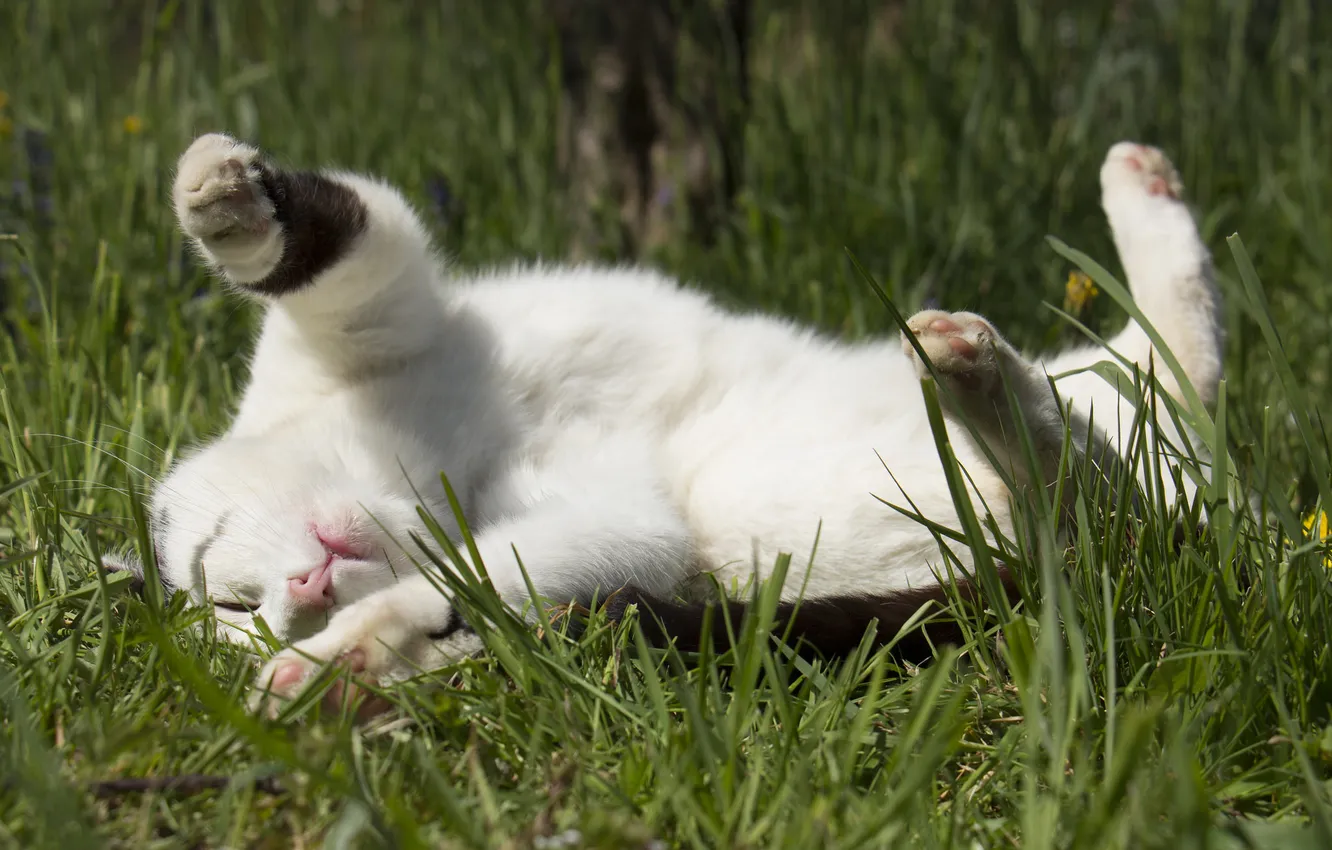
(190, 783)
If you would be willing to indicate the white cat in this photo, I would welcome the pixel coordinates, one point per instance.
(612, 428)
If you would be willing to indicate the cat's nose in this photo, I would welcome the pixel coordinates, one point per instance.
(315, 588)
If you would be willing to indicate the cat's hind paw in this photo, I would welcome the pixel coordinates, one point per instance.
(1132, 168)
(962, 347)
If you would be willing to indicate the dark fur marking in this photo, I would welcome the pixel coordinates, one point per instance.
(129, 565)
(158, 526)
(197, 559)
(157, 529)
(452, 626)
(320, 218)
(168, 587)
(832, 626)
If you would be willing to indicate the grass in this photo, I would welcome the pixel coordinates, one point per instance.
(1150, 691)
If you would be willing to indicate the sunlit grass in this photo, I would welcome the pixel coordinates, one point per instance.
(1156, 685)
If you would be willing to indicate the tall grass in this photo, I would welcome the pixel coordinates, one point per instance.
(1156, 684)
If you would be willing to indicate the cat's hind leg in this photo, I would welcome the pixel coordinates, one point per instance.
(983, 376)
(1169, 271)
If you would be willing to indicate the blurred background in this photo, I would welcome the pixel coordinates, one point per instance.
(747, 146)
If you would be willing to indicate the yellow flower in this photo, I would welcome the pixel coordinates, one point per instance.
(133, 125)
(1316, 525)
(1078, 292)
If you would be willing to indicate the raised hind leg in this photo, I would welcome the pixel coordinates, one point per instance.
(1169, 271)
(985, 377)
(1170, 274)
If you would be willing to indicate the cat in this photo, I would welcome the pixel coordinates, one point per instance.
(613, 429)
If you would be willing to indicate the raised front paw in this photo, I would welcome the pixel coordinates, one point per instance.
(219, 195)
(962, 347)
(1139, 169)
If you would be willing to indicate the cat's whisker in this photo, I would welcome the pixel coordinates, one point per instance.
(262, 518)
(100, 445)
(143, 473)
(161, 450)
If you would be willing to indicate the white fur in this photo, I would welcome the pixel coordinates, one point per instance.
(610, 425)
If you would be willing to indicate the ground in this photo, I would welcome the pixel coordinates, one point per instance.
(1156, 687)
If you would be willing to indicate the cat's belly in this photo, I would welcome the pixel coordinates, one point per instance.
(782, 468)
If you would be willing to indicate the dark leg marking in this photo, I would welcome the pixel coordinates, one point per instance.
(452, 626)
(321, 220)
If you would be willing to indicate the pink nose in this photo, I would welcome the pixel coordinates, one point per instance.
(315, 588)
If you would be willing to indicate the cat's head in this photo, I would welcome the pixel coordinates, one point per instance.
(258, 528)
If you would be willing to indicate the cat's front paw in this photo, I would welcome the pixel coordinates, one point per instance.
(364, 639)
(962, 347)
(1131, 168)
(289, 672)
(218, 191)
(379, 640)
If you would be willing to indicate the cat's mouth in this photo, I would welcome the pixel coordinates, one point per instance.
(339, 545)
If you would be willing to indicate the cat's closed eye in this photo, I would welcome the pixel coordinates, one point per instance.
(234, 605)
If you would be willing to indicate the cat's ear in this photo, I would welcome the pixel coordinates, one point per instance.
(125, 564)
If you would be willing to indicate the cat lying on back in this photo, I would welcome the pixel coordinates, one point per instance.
(615, 430)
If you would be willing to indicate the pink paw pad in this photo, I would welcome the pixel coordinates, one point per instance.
(354, 660)
(1151, 171)
(287, 677)
(960, 346)
(957, 338)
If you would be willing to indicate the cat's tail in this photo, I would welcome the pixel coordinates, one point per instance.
(914, 621)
